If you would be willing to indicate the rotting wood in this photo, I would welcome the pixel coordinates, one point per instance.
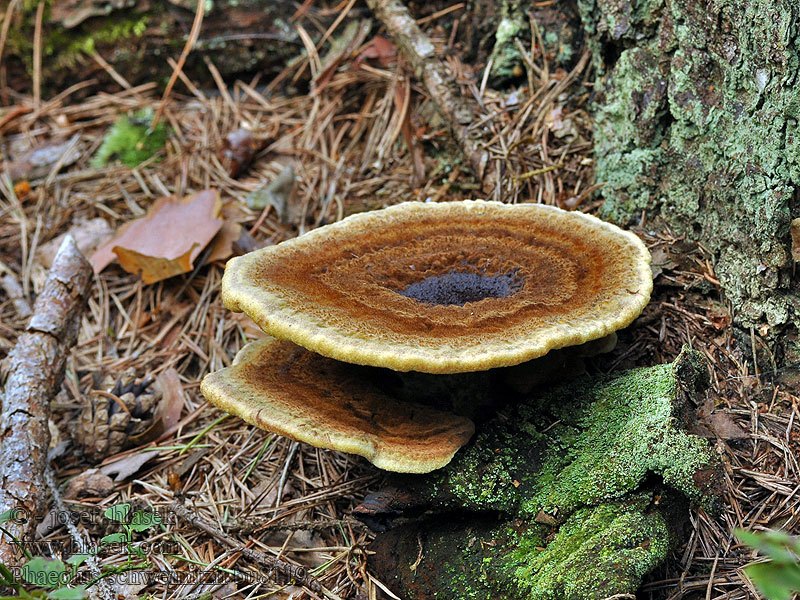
(440, 84)
(31, 375)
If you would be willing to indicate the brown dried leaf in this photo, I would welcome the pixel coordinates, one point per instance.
(172, 398)
(166, 241)
(89, 483)
(154, 268)
(378, 48)
(88, 234)
(237, 150)
(128, 465)
(726, 428)
(37, 162)
(720, 423)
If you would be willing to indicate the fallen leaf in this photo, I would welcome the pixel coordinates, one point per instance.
(89, 483)
(155, 268)
(128, 465)
(661, 262)
(237, 150)
(544, 519)
(275, 194)
(796, 239)
(720, 423)
(167, 240)
(726, 428)
(221, 247)
(172, 397)
(37, 162)
(88, 234)
(378, 48)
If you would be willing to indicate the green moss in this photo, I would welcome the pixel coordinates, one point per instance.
(132, 26)
(587, 478)
(131, 141)
(556, 455)
(64, 48)
(505, 58)
(602, 548)
(625, 433)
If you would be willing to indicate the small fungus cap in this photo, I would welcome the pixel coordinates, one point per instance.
(445, 287)
(278, 386)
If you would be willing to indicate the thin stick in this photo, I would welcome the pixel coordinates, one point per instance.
(33, 373)
(37, 56)
(440, 84)
(193, 35)
(6, 24)
(291, 572)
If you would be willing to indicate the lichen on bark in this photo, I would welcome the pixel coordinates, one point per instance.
(696, 120)
(572, 493)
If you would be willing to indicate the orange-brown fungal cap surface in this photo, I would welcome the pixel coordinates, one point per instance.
(278, 386)
(445, 287)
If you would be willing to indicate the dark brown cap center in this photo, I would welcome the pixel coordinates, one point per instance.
(458, 287)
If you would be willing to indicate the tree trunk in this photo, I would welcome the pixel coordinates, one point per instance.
(697, 118)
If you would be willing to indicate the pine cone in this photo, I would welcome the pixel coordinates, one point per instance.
(107, 425)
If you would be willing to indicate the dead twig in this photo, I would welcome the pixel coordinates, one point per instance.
(32, 372)
(292, 573)
(439, 83)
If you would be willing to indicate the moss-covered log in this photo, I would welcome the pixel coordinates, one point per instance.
(697, 120)
(136, 37)
(576, 493)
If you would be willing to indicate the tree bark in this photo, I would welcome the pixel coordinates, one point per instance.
(697, 121)
(31, 375)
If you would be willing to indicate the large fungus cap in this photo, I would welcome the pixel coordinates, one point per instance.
(280, 387)
(447, 287)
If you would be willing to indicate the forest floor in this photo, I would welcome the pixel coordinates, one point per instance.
(365, 137)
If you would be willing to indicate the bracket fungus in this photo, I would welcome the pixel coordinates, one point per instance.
(437, 288)
(445, 287)
(278, 386)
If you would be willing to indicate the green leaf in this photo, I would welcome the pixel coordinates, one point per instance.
(12, 514)
(44, 573)
(69, 593)
(114, 538)
(142, 521)
(7, 577)
(775, 581)
(118, 512)
(777, 545)
(76, 560)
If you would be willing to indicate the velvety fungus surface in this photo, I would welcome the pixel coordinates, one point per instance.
(278, 386)
(445, 287)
